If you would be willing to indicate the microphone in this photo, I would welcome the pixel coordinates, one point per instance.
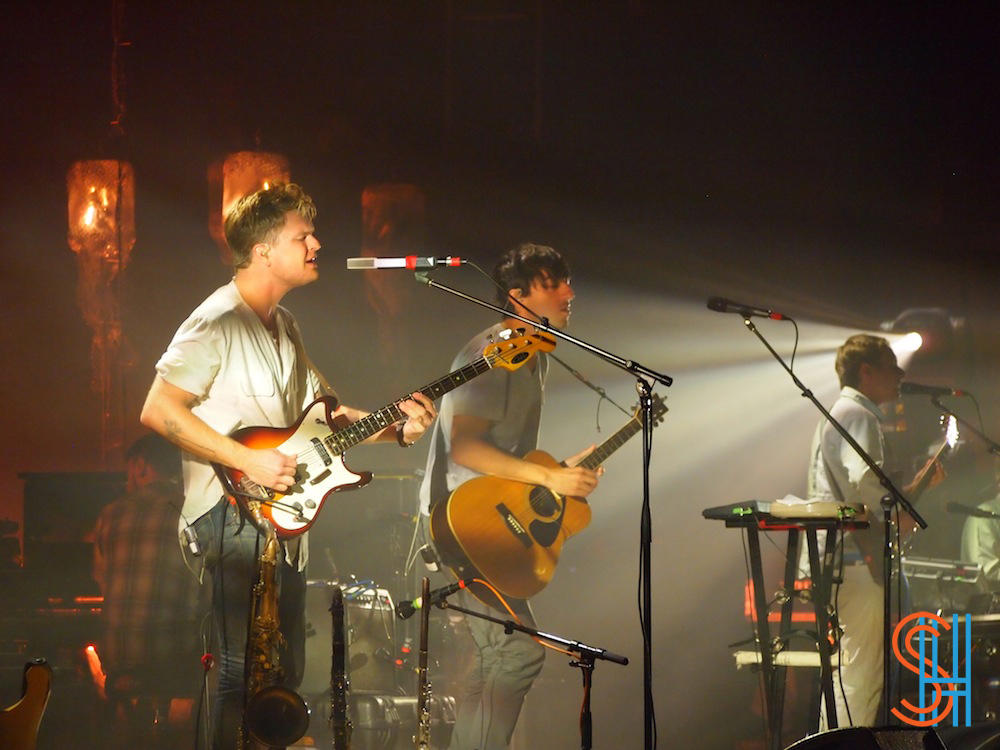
(407, 609)
(412, 262)
(916, 389)
(723, 305)
(965, 510)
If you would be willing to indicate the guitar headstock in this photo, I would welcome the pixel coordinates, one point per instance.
(951, 432)
(512, 352)
(658, 411)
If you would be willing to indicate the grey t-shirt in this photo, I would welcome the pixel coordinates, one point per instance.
(510, 400)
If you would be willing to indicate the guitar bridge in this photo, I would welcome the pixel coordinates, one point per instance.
(514, 526)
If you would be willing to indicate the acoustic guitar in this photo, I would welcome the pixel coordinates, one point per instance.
(511, 533)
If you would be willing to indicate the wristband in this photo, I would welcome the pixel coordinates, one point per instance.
(399, 437)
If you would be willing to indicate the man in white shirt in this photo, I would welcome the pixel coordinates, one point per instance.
(237, 361)
(869, 376)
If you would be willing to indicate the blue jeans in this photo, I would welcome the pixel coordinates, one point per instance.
(504, 670)
(231, 555)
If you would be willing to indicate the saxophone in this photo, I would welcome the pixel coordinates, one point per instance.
(422, 739)
(340, 725)
(273, 715)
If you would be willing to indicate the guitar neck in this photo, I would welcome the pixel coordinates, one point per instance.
(923, 479)
(377, 421)
(613, 443)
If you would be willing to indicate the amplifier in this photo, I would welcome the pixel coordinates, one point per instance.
(370, 621)
(938, 584)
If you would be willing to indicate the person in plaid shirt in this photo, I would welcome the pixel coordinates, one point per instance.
(152, 603)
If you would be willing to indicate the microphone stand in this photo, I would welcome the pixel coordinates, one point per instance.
(993, 447)
(588, 655)
(891, 498)
(643, 376)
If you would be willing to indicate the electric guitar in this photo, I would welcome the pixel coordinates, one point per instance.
(319, 440)
(871, 540)
(511, 533)
(19, 723)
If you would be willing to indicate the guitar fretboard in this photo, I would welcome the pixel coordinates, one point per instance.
(356, 433)
(544, 501)
(616, 441)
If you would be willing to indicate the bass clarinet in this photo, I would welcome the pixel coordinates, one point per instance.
(340, 725)
(422, 739)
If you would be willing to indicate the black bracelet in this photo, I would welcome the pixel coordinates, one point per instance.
(399, 437)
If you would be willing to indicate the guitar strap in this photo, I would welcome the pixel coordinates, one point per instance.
(439, 471)
(300, 350)
(529, 436)
(874, 566)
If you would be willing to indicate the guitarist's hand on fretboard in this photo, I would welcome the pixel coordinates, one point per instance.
(931, 475)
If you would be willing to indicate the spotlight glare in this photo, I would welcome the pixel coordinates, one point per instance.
(909, 343)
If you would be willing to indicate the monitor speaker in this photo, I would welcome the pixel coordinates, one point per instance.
(864, 738)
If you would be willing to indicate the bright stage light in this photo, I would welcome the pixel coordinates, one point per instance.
(906, 344)
(95, 668)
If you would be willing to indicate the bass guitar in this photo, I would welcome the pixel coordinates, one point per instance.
(319, 440)
(19, 723)
(511, 533)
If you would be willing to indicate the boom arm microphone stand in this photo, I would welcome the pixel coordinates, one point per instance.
(587, 656)
(643, 376)
(891, 498)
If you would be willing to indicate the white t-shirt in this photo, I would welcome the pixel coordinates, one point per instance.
(225, 356)
(856, 481)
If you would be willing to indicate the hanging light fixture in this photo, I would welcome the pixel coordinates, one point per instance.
(101, 214)
(234, 177)
(392, 223)
(102, 211)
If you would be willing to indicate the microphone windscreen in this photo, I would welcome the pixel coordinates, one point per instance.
(360, 264)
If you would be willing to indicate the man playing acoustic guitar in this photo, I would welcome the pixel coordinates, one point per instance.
(484, 428)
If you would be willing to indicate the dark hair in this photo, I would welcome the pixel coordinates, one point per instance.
(858, 350)
(158, 452)
(527, 263)
(259, 217)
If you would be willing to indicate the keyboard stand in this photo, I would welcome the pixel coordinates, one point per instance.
(821, 577)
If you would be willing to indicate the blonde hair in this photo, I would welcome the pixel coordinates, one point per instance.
(260, 216)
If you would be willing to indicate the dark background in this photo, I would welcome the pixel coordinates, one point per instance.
(837, 162)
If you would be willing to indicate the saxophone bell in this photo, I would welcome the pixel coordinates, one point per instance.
(277, 716)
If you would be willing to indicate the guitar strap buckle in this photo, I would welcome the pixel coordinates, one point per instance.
(430, 557)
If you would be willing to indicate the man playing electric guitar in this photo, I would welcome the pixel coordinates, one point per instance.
(484, 428)
(869, 375)
(239, 360)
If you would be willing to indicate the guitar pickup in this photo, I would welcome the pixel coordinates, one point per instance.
(514, 526)
(321, 451)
